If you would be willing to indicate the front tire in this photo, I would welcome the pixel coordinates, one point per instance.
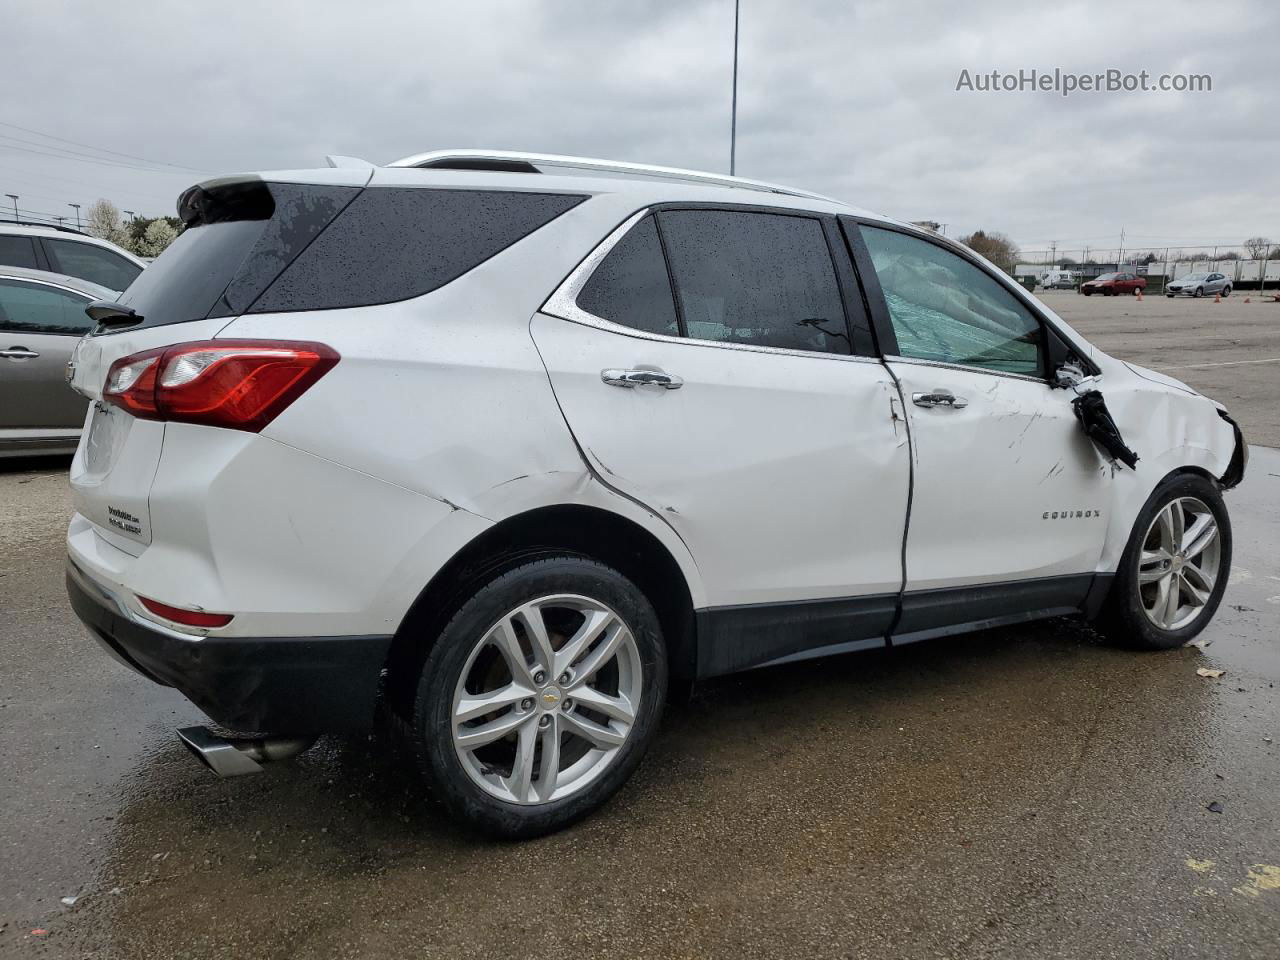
(1174, 569)
(1199, 292)
(540, 696)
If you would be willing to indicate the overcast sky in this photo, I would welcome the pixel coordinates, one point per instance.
(856, 100)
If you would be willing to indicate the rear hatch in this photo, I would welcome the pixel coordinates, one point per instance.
(241, 233)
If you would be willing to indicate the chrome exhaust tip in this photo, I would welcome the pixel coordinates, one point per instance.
(238, 758)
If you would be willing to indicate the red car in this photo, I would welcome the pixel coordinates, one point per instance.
(1109, 284)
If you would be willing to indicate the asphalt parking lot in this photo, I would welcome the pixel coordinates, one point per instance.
(1023, 792)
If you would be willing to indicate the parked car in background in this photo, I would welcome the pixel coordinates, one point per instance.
(1060, 280)
(1110, 284)
(1198, 285)
(41, 319)
(68, 252)
(567, 428)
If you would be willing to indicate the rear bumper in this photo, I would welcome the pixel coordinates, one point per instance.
(279, 685)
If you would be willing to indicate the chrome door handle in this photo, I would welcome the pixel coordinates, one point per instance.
(19, 353)
(939, 398)
(641, 378)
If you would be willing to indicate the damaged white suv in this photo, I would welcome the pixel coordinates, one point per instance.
(508, 443)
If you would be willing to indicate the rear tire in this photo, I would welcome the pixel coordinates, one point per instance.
(1162, 597)
(1226, 291)
(576, 722)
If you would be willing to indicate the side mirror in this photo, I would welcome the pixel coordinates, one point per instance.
(1068, 374)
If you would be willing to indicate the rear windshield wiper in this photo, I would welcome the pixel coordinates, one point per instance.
(108, 313)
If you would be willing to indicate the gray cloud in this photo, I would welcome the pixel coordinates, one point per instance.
(854, 100)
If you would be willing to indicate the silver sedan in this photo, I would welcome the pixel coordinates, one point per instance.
(1198, 285)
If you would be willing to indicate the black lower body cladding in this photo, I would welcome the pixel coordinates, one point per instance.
(278, 685)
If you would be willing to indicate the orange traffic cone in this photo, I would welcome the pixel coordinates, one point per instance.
(1246, 299)
(1138, 291)
(1217, 297)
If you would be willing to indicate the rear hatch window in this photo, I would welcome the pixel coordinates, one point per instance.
(253, 246)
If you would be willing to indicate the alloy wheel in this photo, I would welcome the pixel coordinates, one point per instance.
(1179, 563)
(547, 699)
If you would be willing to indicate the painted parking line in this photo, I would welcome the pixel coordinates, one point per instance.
(1222, 363)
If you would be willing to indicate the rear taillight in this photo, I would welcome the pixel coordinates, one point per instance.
(190, 618)
(240, 384)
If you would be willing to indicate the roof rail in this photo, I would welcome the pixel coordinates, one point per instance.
(37, 223)
(509, 160)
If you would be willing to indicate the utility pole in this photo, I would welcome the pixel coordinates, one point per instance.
(59, 219)
(76, 207)
(1120, 252)
(14, 198)
(733, 120)
(1053, 253)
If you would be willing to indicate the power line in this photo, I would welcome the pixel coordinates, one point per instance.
(49, 136)
(101, 162)
(70, 154)
(43, 178)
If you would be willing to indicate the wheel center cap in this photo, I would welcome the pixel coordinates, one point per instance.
(549, 698)
(1178, 562)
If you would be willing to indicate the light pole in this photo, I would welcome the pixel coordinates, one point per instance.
(130, 213)
(14, 198)
(76, 207)
(733, 120)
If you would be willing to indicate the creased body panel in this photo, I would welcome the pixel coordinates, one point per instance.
(1007, 487)
(1170, 428)
(786, 475)
(292, 545)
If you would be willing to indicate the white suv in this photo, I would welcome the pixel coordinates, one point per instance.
(34, 246)
(505, 442)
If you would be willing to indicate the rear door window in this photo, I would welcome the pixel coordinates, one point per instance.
(946, 309)
(88, 262)
(18, 251)
(631, 286)
(36, 308)
(755, 278)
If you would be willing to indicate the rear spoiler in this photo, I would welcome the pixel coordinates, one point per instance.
(350, 163)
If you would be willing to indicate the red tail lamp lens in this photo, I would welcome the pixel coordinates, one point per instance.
(190, 618)
(238, 384)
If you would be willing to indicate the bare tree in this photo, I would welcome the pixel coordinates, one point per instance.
(1257, 247)
(996, 247)
(104, 221)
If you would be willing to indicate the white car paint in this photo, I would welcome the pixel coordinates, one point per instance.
(769, 477)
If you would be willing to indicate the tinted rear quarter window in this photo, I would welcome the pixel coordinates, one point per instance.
(395, 243)
(258, 248)
(758, 278)
(631, 286)
(16, 251)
